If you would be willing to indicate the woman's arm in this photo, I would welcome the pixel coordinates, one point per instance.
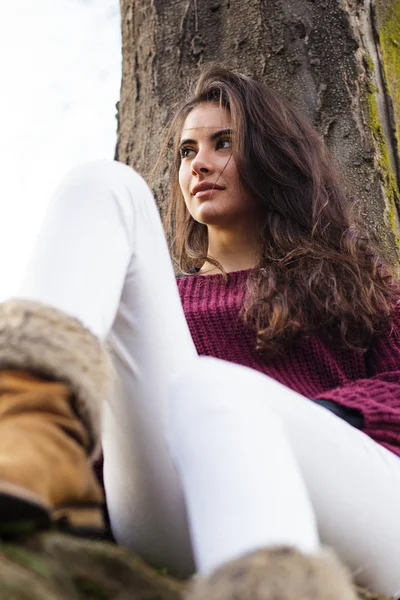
(376, 398)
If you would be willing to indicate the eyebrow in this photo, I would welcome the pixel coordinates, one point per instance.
(213, 137)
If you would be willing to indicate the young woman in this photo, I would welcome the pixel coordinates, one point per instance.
(285, 436)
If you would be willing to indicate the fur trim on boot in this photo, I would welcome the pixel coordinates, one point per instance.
(48, 342)
(281, 573)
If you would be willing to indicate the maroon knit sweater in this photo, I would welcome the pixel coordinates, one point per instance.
(368, 382)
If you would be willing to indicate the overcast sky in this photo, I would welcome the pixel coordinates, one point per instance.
(60, 65)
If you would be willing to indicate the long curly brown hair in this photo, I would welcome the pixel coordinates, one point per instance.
(318, 270)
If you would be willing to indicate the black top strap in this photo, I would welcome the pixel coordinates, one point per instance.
(191, 271)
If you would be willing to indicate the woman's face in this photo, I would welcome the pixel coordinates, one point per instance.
(208, 176)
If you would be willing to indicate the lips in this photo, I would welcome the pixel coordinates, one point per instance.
(206, 186)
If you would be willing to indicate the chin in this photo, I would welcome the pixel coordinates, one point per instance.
(208, 216)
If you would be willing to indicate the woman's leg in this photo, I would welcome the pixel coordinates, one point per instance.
(102, 257)
(256, 459)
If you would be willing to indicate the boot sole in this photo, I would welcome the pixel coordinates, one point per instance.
(23, 511)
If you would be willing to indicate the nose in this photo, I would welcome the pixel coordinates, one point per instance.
(202, 163)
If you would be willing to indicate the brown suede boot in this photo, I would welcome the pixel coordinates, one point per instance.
(54, 376)
(277, 574)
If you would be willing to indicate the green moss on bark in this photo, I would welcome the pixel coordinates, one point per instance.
(384, 166)
(389, 35)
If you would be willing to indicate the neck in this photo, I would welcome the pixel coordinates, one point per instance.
(234, 250)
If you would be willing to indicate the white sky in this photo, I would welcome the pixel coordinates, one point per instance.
(60, 69)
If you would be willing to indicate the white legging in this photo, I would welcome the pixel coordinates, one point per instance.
(204, 459)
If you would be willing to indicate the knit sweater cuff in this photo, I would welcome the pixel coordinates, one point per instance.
(370, 396)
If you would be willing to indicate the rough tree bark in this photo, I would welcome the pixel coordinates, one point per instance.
(338, 61)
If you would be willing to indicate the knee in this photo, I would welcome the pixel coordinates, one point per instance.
(108, 187)
(213, 391)
(197, 390)
(105, 173)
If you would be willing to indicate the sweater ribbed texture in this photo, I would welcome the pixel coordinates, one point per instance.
(368, 382)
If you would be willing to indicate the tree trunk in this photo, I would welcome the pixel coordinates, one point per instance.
(338, 61)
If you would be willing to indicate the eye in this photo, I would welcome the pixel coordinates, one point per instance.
(224, 143)
(186, 152)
